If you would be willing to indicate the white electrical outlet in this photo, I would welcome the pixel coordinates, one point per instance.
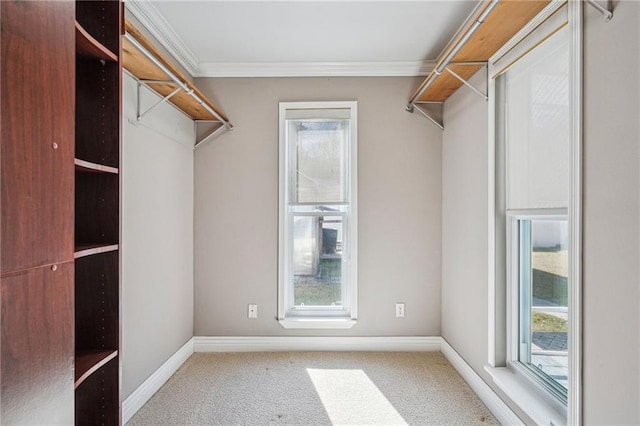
(252, 311)
(400, 310)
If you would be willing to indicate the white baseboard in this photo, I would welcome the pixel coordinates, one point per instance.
(500, 410)
(272, 344)
(145, 391)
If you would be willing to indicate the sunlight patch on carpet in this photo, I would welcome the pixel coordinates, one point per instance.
(350, 397)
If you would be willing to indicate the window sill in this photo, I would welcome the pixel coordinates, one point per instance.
(317, 323)
(541, 407)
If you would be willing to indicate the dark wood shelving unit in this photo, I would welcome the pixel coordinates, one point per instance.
(106, 409)
(88, 46)
(89, 362)
(60, 221)
(37, 79)
(97, 212)
(97, 208)
(96, 110)
(89, 167)
(83, 250)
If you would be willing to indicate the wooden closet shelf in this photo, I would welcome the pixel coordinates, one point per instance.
(502, 23)
(88, 46)
(89, 167)
(90, 361)
(83, 250)
(142, 68)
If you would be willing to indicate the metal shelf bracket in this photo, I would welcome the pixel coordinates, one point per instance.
(414, 107)
(607, 11)
(214, 133)
(139, 113)
(465, 82)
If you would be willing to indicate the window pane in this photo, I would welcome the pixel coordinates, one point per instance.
(317, 260)
(544, 311)
(320, 160)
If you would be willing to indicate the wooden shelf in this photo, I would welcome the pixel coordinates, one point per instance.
(142, 68)
(89, 167)
(98, 111)
(98, 121)
(83, 250)
(88, 362)
(88, 46)
(504, 21)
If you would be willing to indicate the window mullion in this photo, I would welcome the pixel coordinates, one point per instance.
(525, 290)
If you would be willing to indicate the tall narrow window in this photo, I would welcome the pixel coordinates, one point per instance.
(317, 244)
(535, 94)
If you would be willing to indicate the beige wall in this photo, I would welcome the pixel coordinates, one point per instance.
(236, 208)
(612, 217)
(464, 228)
(464, 224)
(157, 237)
(611, 297)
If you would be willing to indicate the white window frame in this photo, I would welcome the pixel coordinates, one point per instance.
(513, 289)
(532, 397)
(345, 316)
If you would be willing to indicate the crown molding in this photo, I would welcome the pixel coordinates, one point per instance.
(153, 21)
(315, 69)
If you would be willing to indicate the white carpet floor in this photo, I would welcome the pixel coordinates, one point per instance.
(315, 388)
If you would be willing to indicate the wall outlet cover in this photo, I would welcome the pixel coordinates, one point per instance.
(252, 311)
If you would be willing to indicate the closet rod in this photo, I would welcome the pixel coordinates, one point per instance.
(173, 77)
(606, 11)
(447, 60)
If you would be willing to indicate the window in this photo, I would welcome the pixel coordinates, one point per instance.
(536, 118)
(535, 214)
(539, 271)
(318, 218)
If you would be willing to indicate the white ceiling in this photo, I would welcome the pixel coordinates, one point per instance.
(301, 37)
